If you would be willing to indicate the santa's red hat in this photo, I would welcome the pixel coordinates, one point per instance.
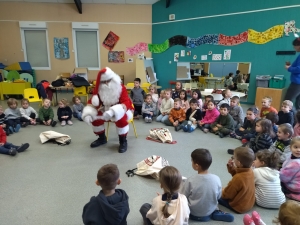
(103, 75)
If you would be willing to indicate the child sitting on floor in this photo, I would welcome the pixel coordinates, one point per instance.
(2, 121)
(226, 97)
(12, 116)
(196, 94)
(247, 131)
(236, 111)
(167, 104)
(137, 95)
(266, 107)
(297, 125)
(159, 101)
(46, 114)
(193, 116)
(282, 144)
(268, 192)
(64, 112)
(224, 124)
(110, 206)
(184, 102)
(211, 115)
(290, 172)
(273, 117)
(203, 190)
(148, 109)
(286, 115)
(176, 116)
(239, 194)
(77, 107)
(178, 88)
(171, 207)
(207, 98)
(153, 93)
(8, 148)
(28, 114)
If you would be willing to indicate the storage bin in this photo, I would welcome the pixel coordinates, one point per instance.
(277, 83)
(262, 80)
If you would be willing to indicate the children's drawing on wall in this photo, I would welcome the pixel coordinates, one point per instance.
(130, 60)
(217, 57)
(195, 57)
(203, 57)
(110, 41)
(182, 53)
(188, 53)
(176, 57)
(116, 56)
(61, 48)
(227, 54)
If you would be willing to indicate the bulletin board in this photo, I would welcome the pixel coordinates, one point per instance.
(183, 71)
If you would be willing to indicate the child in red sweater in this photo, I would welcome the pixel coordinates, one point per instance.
(8, 148)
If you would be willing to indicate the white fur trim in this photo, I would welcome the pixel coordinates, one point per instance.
(95, 100)
(107, 75)
(99, 128)
(123, 130)
(89, 111)
(129, 115)
(118, 111)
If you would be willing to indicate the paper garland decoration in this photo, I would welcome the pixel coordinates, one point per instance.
(218, 39)
(116, 56)
(110, 41)
(266, 36)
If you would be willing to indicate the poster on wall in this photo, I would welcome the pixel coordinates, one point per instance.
(203, 57)
(227, 54)
(188, 53)
(116, 56)
(217, 57)
(182, 53)
(110, 41)
(176, 57)
(61, 48)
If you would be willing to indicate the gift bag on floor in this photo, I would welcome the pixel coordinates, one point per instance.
(149, 166)
(161, 134)
(60, 139)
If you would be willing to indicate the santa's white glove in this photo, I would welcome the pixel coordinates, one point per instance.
(88, 120)
(107, 115)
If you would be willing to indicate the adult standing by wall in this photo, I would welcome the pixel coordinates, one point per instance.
(293, 91)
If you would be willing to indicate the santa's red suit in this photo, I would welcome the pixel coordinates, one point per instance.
(110, 102)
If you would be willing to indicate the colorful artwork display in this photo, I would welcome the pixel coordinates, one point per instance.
(61, 48)
(110, 41)
(116, 56)
(139, 47)
(227, 54)
(221, 39)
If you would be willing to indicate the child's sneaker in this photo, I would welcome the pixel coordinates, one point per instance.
(146, 119)
(221, 135)
(248, 220)
(178, 127)
(222, 216)
(12, 152)
(53, 123)
(256, 218)
(23, 147)
(70, 122)
(205, 130)
(149, 120)
(233, 135)
(230, 151)
(17, 128)
(63, 123)
(184, 128)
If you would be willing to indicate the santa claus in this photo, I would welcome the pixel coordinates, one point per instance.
(110, 102)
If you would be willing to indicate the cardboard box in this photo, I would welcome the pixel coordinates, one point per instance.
(82, 72)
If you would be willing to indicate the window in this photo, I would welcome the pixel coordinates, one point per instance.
(86, 45)
(34, 38)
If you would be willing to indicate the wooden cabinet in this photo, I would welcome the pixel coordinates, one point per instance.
(277, 96)
(7, 88)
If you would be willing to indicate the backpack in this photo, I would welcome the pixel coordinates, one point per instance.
(58, 83)
(149, 166)
(80, 81)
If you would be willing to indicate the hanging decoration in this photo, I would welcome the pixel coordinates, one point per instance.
(110, 41)
(218, 39)
(116, 56)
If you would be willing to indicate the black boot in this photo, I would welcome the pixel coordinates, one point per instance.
(100, 141)
(123, 143)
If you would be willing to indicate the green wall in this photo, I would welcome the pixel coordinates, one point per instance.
(263, 57)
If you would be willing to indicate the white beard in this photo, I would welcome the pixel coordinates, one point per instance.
(110, 93)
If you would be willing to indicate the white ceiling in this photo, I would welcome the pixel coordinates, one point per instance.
(143, 2)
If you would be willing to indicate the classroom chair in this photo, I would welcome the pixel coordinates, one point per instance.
(202, 82)
(130, 121)
(145, 87)
(13, 75)
(81, 91)
(172, 83)
(27, 77)
(129, 85)
(4, 73)
(32, 95)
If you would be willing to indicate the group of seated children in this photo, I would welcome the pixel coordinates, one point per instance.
(197, 198)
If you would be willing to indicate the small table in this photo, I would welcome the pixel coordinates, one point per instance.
(214, 79)
(11, 88)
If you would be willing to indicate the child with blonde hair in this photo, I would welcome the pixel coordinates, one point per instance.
(170, 208)
(290, 172)
(286, 115)
(77, 107)
(167, 104)
(46, 114)
(288, 213)
(12, 115)
(266, 107)
(161, 97)
(153, 93)
(64, 112)
(268, 192)
(28, 114)
(226, 97)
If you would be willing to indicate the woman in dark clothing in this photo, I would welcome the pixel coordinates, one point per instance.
(293, 91)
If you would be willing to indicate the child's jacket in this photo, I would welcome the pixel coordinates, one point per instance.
(46, 113)
(146, 108)
(261, 141)
(2, 135)
(249, 126)
(177, 114)
(237, 114)
(240, 191)
(211, 116)
(197, 116)
(264, 111)
(282, 148)
(66, 111)
(108, 210)
(225, 121)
